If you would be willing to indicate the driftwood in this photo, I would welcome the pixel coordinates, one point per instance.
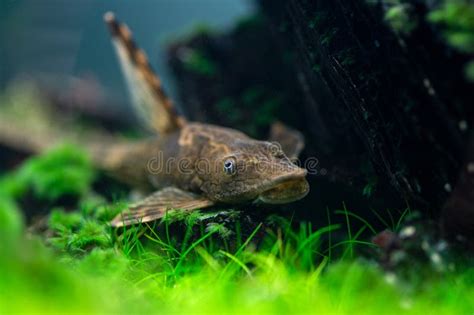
(388, 115)
(458, 213)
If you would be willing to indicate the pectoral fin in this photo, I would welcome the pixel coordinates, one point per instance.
(149, 99)
(291, 140)
(156, 205)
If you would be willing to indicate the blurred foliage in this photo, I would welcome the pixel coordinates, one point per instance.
(400, 18)
(63, 171)
(199, 63)
(82, 265)
(24, 99)
(85, 235)
(11, 220)
(456, 18)
(77, 232)
(151, 274)
(470, 71)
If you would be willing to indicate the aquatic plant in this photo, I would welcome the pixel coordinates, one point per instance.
(288, 275)
(456, 18)
(400, 18)
(64, 170)
(83, 265)
(198, 62)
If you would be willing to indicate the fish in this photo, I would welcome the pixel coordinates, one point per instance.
(184, 165)
(194, 165)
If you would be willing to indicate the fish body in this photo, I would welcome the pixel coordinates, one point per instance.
(221, 163)
(195, 165)
(189, 165)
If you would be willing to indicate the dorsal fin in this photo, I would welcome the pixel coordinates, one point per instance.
(148, 97)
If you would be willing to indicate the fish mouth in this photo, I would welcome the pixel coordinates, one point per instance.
(285, 188)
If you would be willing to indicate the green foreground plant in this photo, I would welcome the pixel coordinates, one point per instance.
(81, 264)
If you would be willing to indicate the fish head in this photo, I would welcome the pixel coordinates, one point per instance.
(251, 170)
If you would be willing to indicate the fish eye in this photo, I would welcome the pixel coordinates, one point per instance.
(279, 154)
(276, 150)
(229, 166)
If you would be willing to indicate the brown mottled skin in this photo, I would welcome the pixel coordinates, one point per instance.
(189, 165)
(192, 159)
(193, 165)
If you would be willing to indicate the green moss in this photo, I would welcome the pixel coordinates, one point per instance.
(195, 280)
(80, 236)
(470, 71)
(140, 272)
(220, 229)
(456, 19)
(106, 212)
(103, 262)
(173, 216)
(12, 186)
(62, 171)
(91, 234)
(196, 61)
(82, 231)
(400, 19)
(11, 221)
(61, 221)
